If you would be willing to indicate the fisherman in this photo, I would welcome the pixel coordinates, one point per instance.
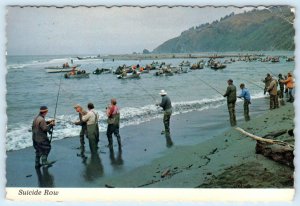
(167, 107)
(83, 131)
(247, 100)
(267, 82)
(272, 89)
(231, 99)
(113, 121)
(41, 142)
(91, 119)
(281, 86)
(289, 82)
(124, 73)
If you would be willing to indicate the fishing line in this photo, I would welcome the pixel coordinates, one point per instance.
(253, 83)
(56, 105)
(209, 85)
(146, 91)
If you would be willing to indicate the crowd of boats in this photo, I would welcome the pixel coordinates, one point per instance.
(158, 68)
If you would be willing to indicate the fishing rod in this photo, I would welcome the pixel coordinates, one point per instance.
(210, 86)
(146, 91)
(253, 83)
(56, 106)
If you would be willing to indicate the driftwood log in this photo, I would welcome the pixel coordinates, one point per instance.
(279, 151)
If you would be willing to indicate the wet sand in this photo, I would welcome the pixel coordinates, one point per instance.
(203, 151)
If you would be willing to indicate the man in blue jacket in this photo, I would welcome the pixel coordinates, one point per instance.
(245, 94)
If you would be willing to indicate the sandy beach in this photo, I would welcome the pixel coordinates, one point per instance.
(196, 156)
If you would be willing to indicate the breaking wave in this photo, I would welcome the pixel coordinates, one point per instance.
(20, 136)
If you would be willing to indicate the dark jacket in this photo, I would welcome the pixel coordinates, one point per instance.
(166, 103)
(40, 129)
(230, 94)
(80, 122)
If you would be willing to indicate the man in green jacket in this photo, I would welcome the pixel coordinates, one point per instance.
(231, 99)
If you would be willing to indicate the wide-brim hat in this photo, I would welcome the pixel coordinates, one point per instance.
(163, 92)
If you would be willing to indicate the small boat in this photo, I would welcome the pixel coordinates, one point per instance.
(218, 66)
(102, 71)
(77, 75)
(59, 70)
(63, 67)
(89, 57)
(131, 76)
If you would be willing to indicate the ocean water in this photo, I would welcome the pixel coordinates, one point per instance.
(29, 86)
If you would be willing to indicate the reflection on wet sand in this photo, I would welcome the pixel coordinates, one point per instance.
(94, 167)
(116, 162)
(169, 142)
(45, 179)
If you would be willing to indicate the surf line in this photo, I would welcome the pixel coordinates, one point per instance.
(56, 106)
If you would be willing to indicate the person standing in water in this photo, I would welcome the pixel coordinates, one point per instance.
(167, 107)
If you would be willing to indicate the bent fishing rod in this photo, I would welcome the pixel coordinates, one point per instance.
(51, 130)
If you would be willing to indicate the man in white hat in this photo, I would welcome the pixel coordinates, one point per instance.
(167, 107)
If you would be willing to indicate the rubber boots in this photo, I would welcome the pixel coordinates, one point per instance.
(37, 161)
(119, 141)
(45, 162)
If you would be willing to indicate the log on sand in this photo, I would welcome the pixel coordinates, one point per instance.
(277, 150)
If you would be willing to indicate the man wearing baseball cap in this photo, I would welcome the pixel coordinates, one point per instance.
(41, 142)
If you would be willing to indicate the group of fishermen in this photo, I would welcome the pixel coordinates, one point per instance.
(88, 120)
(286, 85)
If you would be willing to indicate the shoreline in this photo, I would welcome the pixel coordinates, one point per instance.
(191, 161)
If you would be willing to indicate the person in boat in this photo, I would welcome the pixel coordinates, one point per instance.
(91, 118)
(124, 73)
(83, 131)
(134, 72)
(73, 71)
(272, 89)
(245, 94)
(141, 69)
(113, 121)
(41, 142)
(267, 82)
(167, 107)
(289, 82)
(231, 99)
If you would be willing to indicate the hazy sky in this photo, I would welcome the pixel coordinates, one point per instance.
(100, 30)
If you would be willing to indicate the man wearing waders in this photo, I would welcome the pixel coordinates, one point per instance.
(113, 121)
(231, 99)
(245, 94)
(83, 131)
(41, 143)
(167, 107)
(91, 119)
